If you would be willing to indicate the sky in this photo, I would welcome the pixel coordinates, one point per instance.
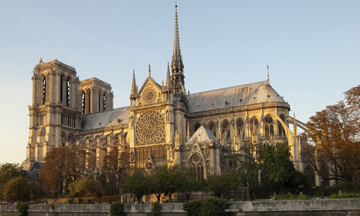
(312, 49)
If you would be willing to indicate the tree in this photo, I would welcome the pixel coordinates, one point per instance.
(63, 163)
(18, 188)
(187, 182)
(136, 184)
(117, 166)
(247, 166)
(278, 172)
(333, 139)
(85, 187)
(9, 171)
(220, 184)
(164, 180)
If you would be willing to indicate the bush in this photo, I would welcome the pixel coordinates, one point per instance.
(333, 196)
(345, 196)
(289, 196)
(117, 209)
(22, 208)
(208, 206)
(357, 195)
(351, 195)
(156, 208)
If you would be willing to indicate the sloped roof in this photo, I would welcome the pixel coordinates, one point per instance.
(114, 117)
(241, 95)
(202, 134)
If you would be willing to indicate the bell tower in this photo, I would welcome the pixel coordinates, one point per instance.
(54, 114)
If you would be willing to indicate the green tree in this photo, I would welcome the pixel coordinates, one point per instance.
(247, 166)
(18, 188)
(187, 182)
(9, 171)
(220, 184)
(136, 183)
(278, 172)
(85, 187)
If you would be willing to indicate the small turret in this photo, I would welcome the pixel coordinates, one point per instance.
(133, 87)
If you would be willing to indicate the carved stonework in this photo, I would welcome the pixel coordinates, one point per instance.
(149, 96)
(150, 128)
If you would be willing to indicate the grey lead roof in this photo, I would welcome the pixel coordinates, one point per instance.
(114, 117)
(242, 95)
(202, 134)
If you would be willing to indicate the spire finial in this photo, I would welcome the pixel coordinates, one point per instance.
(41, 61)
(176, 64)
(168, 80)
(133, 86)
(149, 71)
(268, 75)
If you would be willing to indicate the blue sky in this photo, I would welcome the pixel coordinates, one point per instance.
(312, 48)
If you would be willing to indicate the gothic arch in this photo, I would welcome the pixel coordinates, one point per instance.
(197, 163)
(269, 126)
(310, 174)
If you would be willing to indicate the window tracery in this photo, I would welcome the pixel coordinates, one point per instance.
(269, 127)
(150, 128)
(197, 164)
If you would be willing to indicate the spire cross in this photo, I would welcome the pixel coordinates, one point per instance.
(149, 71)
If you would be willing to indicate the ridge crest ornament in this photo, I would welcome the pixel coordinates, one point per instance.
(150, 128)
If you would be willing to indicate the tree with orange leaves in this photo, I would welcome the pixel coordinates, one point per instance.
(333, 147)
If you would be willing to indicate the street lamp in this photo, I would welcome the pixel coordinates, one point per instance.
(321, 186)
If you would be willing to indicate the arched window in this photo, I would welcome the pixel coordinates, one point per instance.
(310, 174)
(44, 90)
(61, 88)
(239, 125)
(104, 102)
(280, 126)
(67, 92)
(224, 126)
(211, 126)
(99, 101)
(83, 103)
(253, 126)
(88, 99)
(197, 125)
(269, 128)
(197, 165)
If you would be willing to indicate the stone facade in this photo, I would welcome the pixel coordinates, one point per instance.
(164, 125)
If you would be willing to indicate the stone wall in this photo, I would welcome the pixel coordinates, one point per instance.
(278, 208)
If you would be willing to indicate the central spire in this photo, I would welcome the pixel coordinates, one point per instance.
(177, 66)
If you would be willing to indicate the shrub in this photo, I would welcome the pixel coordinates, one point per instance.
(208, 206)
(156, 208)
(357, 195)
(22, 208)
(333, 196)
(117, 209)
(345, 196)
(52, 206)
(351, 195)
(289, 196)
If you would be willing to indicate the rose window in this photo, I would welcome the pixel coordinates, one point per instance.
(149, 96)
(150, 128)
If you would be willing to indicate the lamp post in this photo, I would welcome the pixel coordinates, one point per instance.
(321, 186)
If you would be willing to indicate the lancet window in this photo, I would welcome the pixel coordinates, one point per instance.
(104, 102)
(99, 101)
(44, 90)
(83, 103)
(239, 125)
(211, 126)
(280, 126)
(310, 174)
(253, 126)
(269, 127)
(197, 164)
(61, 88)
(224, 126)
(68, 92)
(158, 156)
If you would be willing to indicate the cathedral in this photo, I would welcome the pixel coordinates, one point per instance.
(162, 125)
